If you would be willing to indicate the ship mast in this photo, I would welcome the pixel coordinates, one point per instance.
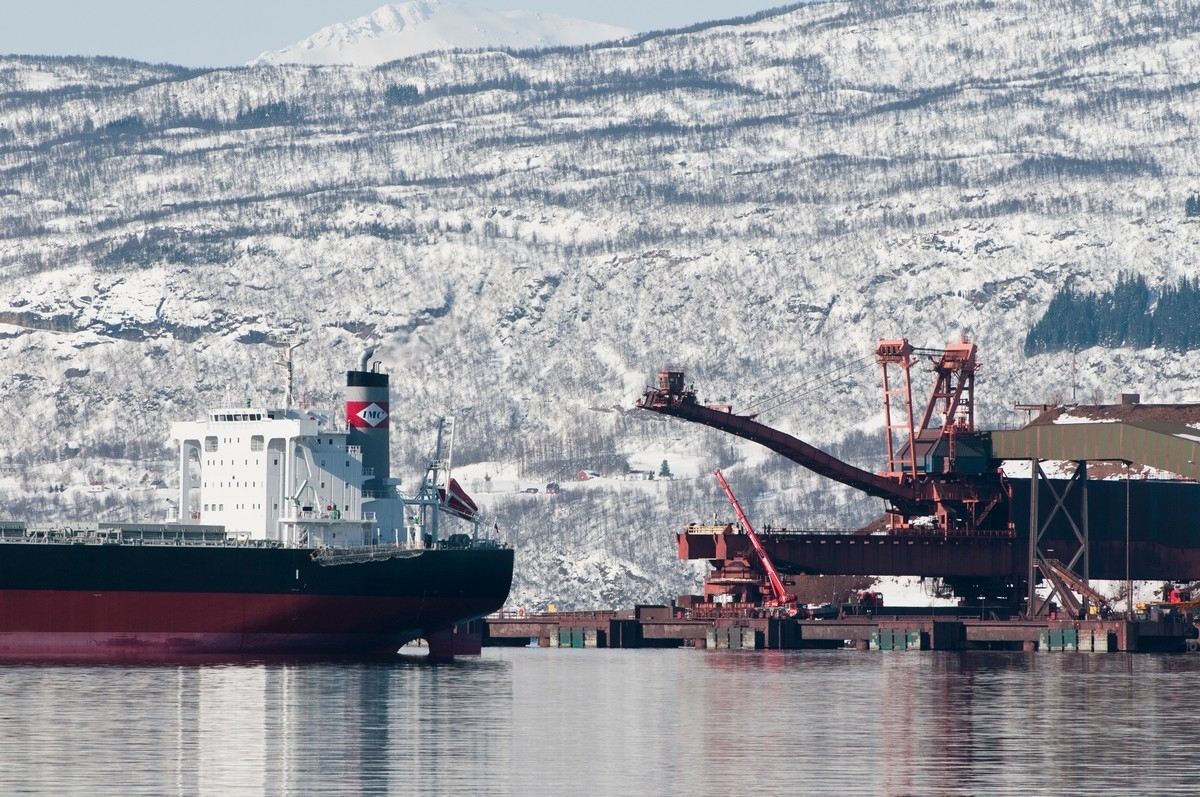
(288, 363)
(437, 478)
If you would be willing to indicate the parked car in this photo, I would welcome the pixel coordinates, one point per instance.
(552, 488)
(530, 490)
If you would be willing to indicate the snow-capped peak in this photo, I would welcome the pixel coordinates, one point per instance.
(418, 26)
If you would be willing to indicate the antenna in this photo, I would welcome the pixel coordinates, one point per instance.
(446, 438)
(288, 363)
(1073, 382)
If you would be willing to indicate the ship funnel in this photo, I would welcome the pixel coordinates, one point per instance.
(367, 415)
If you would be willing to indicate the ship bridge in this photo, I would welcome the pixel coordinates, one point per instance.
(278, 475)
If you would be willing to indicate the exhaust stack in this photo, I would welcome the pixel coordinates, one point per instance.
(367, 414)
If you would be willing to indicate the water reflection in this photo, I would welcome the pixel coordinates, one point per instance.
(273, 729)
(549, 722)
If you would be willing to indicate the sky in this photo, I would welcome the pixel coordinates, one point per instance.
(231, 32)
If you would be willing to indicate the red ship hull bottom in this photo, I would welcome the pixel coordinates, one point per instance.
(155, 625)
(94, 645)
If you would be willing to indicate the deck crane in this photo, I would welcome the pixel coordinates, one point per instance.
(780, 598)
(944, 471)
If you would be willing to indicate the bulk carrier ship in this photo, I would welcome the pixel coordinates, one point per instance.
(290, 537)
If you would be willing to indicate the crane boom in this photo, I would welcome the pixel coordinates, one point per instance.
(670, 398)
(944, 473)
(781, 597)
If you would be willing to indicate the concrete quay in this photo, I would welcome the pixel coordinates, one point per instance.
(663, 626)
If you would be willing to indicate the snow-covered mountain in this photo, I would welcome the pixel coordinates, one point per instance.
(531, 235)
(420, 26)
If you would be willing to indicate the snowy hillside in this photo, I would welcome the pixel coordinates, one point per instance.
(530, 236)
(421, 26)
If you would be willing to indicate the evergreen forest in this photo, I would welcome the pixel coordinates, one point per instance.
(1130, 314)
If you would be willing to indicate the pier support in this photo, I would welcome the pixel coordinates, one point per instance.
(1037, 530)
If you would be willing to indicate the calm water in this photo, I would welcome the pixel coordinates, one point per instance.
(629, 723)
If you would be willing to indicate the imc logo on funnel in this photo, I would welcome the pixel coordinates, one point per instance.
(373, 415)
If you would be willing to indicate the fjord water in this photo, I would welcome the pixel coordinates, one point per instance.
(609, 722)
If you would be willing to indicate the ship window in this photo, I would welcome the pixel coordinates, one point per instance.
(256, 443)
(210, 444)
(222, 507)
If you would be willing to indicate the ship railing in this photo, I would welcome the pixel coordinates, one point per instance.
(367, 553)
(466, 542)
(52, 535)
(377, 495)
(160, 535)
(341, 555)
(13, 532)
(313, 513)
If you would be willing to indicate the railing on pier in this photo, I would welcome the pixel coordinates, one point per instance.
(911, 531)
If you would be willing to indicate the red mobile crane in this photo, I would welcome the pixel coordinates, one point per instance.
(944, 472)
(780, 599)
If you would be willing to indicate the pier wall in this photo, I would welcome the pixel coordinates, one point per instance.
(648, 629)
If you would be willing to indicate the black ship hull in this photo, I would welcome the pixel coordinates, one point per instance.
(163, 601)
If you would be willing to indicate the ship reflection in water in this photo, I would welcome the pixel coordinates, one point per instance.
(553, 721)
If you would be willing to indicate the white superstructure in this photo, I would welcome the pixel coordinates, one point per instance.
(283, 475)
(313, 479)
